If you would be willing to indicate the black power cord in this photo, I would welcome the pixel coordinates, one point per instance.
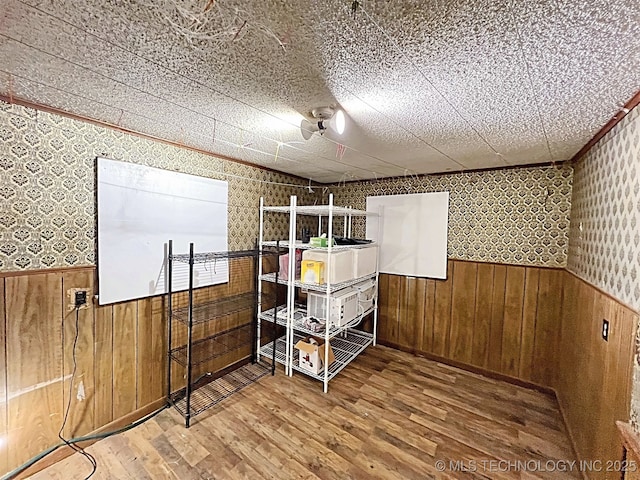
(97, 436)
(78, 449)
(80, 299)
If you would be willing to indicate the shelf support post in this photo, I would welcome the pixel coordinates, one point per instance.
(328, 298)
(259, 275)
(169, 316)
(189, 338)
(291, 290)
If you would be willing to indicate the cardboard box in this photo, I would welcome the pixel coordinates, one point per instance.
(311, 354)
(312, 272)
(318, 241)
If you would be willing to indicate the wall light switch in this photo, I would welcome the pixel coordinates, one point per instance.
(605, 330)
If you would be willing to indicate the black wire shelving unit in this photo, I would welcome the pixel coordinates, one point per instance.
(214, 340)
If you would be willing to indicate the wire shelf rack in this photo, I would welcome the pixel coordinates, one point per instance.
(300, 317)
(320, 210)
(219, 389)
(214, 346)
(212, 256)
(345, 347)
(266, 350)
(322, 288)
(346, 342)
(284, 244)
(215, 308)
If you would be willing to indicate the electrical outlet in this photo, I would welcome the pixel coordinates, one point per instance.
(81, 298)
(78, 298)
(605, 330)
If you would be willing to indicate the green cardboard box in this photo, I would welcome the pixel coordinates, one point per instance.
(318, 241)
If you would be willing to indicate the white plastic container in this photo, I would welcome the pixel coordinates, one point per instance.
(364, 261)
(341, 269)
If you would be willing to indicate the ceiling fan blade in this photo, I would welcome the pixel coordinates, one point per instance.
(307, 128)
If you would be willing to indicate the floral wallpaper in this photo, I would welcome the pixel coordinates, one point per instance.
(605, 220)
(604, 238)
(47, 211)
(47, 197)
(517, 216)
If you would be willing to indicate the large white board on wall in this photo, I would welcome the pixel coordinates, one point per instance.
(140, 209)
(411, 231)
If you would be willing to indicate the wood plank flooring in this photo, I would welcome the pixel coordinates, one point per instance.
(389, 415)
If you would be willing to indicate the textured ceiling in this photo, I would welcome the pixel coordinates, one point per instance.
(426, 86)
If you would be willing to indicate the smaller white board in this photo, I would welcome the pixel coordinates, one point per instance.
(411, 231)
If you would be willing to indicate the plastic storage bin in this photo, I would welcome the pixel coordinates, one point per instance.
(365, 261)
(341, 269)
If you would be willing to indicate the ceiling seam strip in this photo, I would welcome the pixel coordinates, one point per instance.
(397, 123)
(196, 82)
(313, 67)
(216, 172)
(423, 75)
(85, 98)
(163, 100)
(405, 129)
(158, 121)
(167, 101)
(530, 78)
(574, 101)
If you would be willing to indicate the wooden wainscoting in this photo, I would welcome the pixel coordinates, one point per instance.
(121, 358)
(594, 376)
(498, 318)
(541, 326)
(3, 383)
(536, 325)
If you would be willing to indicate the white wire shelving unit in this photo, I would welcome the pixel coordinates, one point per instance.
(346, 341)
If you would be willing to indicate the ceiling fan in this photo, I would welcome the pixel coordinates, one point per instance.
(324, 118)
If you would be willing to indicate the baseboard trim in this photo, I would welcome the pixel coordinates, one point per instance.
(572, 439)
(64, 452)
(499, 376)
(472, 368)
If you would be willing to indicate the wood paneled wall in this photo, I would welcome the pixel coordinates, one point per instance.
(532, 324)
(537, 325)
(120, 356)
(499, 318)
(594, 377)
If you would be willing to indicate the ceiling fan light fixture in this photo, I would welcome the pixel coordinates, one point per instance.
(324, 118)
(340, 121)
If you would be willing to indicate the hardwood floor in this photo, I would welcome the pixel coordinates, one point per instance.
(388, 415)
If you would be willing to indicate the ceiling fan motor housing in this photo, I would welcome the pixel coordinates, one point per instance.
(322, 113)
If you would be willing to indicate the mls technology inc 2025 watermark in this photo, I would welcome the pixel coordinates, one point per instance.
(494, 465)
